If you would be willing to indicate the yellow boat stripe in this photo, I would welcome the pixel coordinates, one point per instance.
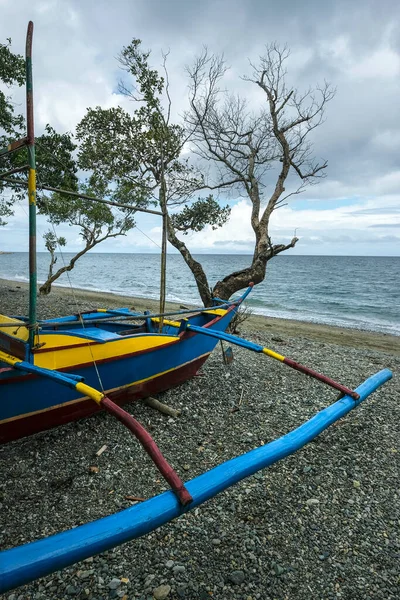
(89, 351)
(20, 332)
(168, 322)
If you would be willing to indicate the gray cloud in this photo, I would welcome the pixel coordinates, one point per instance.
(355, 45)
(384, 225)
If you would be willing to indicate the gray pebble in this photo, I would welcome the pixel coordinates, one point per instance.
(178, 569)
(114, 583)
(237, 577)
(161, 592)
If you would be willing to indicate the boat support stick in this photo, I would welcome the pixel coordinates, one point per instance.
(28, 562)
(76, 382)
(31, 188)
(233, 339)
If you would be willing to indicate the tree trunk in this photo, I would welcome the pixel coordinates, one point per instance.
(45, 289)
(52, 263)
(254, 273)
(196, 268)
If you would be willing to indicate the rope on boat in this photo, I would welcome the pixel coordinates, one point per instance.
(81, 320)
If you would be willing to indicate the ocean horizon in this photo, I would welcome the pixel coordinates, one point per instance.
(360, 292)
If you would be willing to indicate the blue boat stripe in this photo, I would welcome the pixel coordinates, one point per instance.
(26, 563)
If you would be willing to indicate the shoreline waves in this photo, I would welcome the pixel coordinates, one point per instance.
(349, 292)
(67, 301)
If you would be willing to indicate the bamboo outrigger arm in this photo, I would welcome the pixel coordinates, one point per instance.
(76, 382)
(36, 559)
(233, 339)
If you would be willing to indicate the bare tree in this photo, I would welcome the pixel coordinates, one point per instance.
(242, 145)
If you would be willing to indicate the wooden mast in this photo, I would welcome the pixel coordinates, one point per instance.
(31, 187)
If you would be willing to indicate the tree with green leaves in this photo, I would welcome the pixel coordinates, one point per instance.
(142, 152)
(96, 222)
(12, 73)
(244, 149)
(52, 242)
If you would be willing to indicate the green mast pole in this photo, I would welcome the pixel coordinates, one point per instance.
(31, 187)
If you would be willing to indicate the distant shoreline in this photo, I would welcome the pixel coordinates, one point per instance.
(331, 334)
(176, 253)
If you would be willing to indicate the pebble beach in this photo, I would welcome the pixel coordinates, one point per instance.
(324, 523)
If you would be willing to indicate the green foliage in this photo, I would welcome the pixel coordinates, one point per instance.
(138, 153)
(205, 211)
(56, 165)
(95, 220)
(12, 72)
(148, 81)
(51, 241)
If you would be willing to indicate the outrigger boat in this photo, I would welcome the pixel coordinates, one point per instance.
(50, 372)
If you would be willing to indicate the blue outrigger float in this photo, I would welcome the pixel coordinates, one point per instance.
(48, 380)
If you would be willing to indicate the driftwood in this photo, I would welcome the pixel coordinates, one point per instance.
(161, 407)
(135, 498)
(102, 449)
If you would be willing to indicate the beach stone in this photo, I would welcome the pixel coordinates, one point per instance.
(114, 583)
(85, 574)
(278, 569)
(169, 564)
(161, 592)
(356, 483)
(178, 569)
(237, 577)
(71, 590)
(312, 501)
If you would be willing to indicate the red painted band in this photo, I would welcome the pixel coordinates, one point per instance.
(151, 448)
(323, 378)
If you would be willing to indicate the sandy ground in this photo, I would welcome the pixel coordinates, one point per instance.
(354, 338)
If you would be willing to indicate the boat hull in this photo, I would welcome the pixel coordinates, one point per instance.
(74, 410)
(30, 404)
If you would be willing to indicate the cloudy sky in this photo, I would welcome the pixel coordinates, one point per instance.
(354, 44)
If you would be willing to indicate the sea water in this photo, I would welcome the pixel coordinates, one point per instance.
(349, 291)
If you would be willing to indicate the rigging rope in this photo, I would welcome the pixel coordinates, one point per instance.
(72, 290)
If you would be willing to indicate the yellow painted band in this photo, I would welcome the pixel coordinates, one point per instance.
(102, 310)
(273, 354)
(86, 390)
(32, 186)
